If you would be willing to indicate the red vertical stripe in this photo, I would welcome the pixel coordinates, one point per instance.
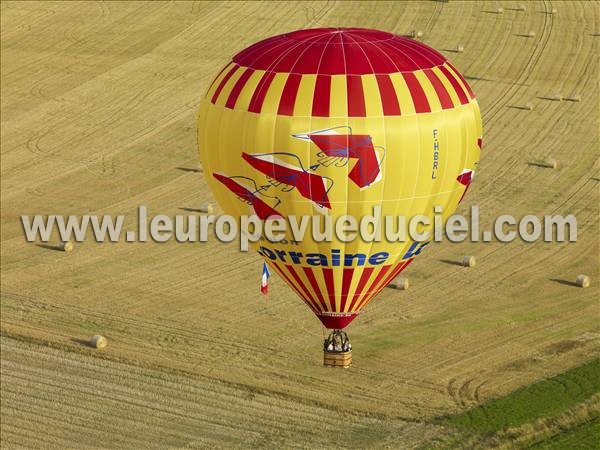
(320, 106)
(416, 92)
(302, 286)
(288, 96)
(328, 275)
(462, 96)
(292, 285)
(390, 276)
(440, 89)
(366, 274)
(399, 268)
(237, 88)
(288, 280)
(217, 77)
(313, 282)
(371, 289)
(366, 299)
(222, 83)
(380, 276)
(389, 98)
(261, 92)
(356, 96)
(346, 281)
(457, 73)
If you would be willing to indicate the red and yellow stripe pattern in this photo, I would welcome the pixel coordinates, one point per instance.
(290, 94)
(411, 114)
(352, 298)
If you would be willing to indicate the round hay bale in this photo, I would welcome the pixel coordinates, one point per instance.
(554, 11)
(207, 208)
(531, 33)
(557, 97)
(417, 34)
(528, 106)
(499, 10)
(98, 341)
(468, 261)
(460, 48)
(400, 283)
(66, 246)
(582, 281)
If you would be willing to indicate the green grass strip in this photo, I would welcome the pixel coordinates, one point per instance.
(583, 437)
(542, 399)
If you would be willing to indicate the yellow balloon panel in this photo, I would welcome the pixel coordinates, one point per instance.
(311, 166)
(331, 123)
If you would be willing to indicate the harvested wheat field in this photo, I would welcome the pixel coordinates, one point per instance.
(99, 104)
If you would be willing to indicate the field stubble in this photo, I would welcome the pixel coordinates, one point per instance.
(98, 116)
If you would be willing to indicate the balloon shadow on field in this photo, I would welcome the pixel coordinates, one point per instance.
(451, 262)
(50, 247)
(565, 282)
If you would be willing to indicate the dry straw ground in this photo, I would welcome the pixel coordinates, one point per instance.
(98, 116)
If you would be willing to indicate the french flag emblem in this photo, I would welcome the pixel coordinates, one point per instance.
(264, 285)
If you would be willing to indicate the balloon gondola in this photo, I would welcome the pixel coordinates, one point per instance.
(331, 122)
(337, 350)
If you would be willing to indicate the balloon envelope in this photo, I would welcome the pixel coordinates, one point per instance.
(333, 122)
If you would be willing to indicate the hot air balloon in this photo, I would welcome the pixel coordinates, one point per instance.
(333, 122)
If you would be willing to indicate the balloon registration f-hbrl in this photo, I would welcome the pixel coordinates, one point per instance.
(335, 121)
